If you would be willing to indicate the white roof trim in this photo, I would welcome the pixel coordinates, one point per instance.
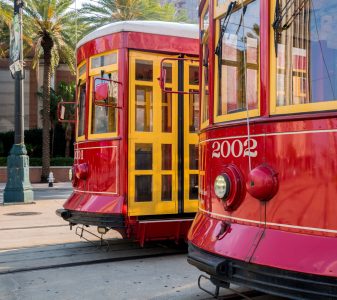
(155, 27)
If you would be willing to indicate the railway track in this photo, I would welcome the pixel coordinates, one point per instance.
(79, 254)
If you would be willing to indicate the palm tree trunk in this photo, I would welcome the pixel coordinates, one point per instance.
(46, 111)
(68, 136)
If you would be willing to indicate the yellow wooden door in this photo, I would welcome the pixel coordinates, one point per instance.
(153, 146)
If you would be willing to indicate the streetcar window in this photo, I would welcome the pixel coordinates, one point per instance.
(194, 75)
(205, 20)
(205, 71)
(104, 117)
(205, 66)
(144, 108)
(144, 70)
(193, 111)
(143, 188)
(168, 68)
(306, 65)
(167, 111)
(82, 70)
(143, 156)
(81, 108)
(238, 61)
(104, 60)
(193, 194)
(193, 151)
(166, 154)
(166, 187)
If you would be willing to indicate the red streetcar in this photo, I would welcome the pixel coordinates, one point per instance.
(268, 147)
(136, 152)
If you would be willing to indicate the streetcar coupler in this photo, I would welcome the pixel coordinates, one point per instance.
(216, 282)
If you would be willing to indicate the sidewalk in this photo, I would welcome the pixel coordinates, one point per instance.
(44, 186)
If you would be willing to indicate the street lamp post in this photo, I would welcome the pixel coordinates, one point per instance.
(18, 188)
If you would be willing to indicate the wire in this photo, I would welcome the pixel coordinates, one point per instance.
(243, 11)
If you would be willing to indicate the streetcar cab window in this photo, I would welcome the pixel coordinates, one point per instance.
(237, 61)
(205, 66)
(81, 92)
(144, 95)
(81, 99)
(304, 64)
(104, 94)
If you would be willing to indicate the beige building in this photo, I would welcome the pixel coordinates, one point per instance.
(33, 104)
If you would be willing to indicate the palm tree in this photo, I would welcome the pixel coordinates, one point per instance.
(102, 12)
(50, 26)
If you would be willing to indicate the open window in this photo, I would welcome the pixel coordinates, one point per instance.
(106, 92)
(66, 112)
(166, 75)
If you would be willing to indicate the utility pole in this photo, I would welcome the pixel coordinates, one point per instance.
(18, 188)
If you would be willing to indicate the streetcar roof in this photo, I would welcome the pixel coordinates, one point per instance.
(154, 27)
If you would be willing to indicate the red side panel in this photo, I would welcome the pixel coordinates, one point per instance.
(100, 191)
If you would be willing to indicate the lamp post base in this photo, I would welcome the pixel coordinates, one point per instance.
(18, 188)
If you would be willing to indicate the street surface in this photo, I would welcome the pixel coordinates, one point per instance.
(40, 258)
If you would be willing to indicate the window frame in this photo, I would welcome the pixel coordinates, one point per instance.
(295, 108)
(92, 73)
(83, 77)
(219, 13)
(206, 36)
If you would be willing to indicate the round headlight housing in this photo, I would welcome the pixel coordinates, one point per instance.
(222, 186)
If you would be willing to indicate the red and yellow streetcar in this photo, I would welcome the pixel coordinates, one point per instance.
(136, 151)
(268, 145)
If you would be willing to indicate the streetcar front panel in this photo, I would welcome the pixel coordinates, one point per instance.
(267, 191)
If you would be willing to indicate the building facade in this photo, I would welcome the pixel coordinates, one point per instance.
(32, 84)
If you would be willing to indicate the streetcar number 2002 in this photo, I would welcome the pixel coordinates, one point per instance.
(235, 148)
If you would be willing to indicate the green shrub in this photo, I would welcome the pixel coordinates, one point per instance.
(33, 142)
(3, 161)
(35, 161)
(62, 161)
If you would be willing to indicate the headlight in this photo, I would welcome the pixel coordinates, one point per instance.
(222, 186)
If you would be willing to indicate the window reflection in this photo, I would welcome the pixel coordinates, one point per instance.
(143, 188)
(193, 112)
(81, 109)
(167, 111)
(238, 61)
(104, 60)
(144, 70)
(144, 108)
(194, 75)
(104, 117)
(168, 68)
(193, 151)
(143, 156)
(166, 154)
(193, 193)
(307, 51)
(205, 71)
(166, 187)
